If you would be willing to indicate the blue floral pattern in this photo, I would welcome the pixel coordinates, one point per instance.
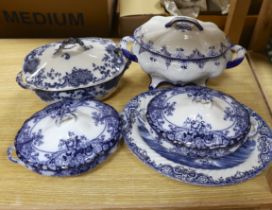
(186, 153)
(113, 63)
(190, 157)
(196, 133)
(179, 54)
(97, 92)
(76, 153)
(31, 62)
(182, 172)
(184, 57)
(184, 62)
(194, 57)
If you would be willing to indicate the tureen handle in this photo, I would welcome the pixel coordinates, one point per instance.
(240, 54)
(124, 47)
(10, 150)
(19, 80)
(253, 130)
(71, 41)
(184, 19)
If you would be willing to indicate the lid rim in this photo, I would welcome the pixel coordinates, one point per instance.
(114, 139)
(181, 59)
(27, 163)
(32, 87)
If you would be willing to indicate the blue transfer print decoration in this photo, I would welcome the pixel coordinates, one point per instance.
(179, 54)
(94, 92)
(111, 65)
(185, 58)
(76, 153)
(148, 134)
(228, 161)
(196, 132)
(182, 172)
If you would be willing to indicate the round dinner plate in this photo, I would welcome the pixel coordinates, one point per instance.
(259, 157)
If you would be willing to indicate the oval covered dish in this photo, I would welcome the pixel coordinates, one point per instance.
(168, 148)
(253, 155)
(181, 50)
(198, 117)
(67, 138)
(74, 68)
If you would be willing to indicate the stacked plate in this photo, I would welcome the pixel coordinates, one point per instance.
(197, 135)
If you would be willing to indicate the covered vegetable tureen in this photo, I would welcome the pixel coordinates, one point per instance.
(181, 50)
(75, 68)
(67, 138)
(198, 117)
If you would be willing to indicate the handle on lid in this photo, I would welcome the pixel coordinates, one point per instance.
(186, 20)
(254, 129)
(19, 80)
(10, 150)
(71, 41)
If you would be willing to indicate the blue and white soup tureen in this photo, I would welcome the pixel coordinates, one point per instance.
(67, 138)
(181, 50)
(72, 69)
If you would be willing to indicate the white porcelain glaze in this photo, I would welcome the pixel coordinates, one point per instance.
(74, 68)
(198, 117)
(246, 162)
(183, 150)
(181, 50)
(67, 138)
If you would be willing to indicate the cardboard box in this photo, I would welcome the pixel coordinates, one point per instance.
(133, 13)
(51, 18)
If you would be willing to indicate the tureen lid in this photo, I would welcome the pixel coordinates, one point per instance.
(67, 135)
(73, 63)
(182, 38)
(198, 117)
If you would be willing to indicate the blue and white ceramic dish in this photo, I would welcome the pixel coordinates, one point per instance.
(67, 138)
(158, 141)
(198, 117)
(253, 157)
(221, 158)
(73, 69)
(181, 50)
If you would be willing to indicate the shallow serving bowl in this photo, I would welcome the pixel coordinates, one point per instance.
(73, 69)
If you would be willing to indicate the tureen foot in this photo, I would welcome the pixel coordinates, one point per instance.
(201, 82)
(155, 81)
